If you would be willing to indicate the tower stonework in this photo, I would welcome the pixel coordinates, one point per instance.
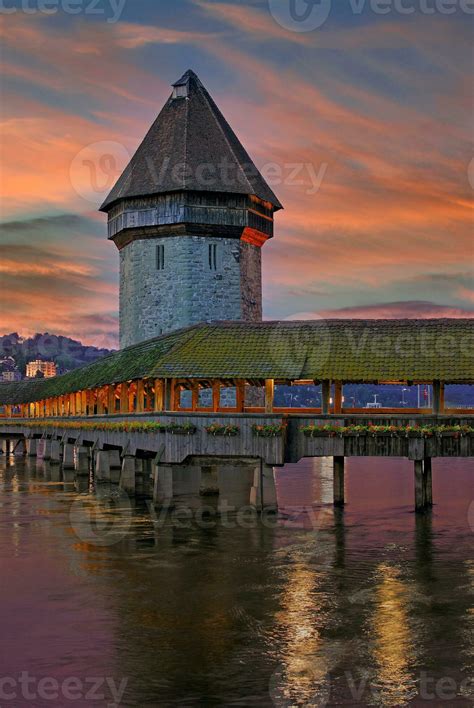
(189, 216)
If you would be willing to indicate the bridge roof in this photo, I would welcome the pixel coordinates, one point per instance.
(356, 351)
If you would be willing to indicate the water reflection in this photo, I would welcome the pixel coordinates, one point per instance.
(354, 609)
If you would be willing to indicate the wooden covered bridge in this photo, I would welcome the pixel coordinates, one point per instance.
(205, 396)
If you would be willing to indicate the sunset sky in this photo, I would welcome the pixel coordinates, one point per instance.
(377, 107)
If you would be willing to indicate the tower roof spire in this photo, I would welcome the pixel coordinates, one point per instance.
(190, 147)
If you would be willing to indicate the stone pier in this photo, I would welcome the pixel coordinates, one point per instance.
(68, 456)
(82, 460)
(43, 449)
(163, 486)
(56, 453)
(102, 466)
(128, 474)
(235, 486)
(19, 449)
(263, 491)
(31, 446)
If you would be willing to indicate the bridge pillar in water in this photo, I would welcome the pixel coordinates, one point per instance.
(68, 456)
(163, 485)
(127, 475)
(31, 446)
(114, 460)
(263, 492)
(209, 481)
(56, 453)
(43, 450)
(102, 466)
(423, 485)
(19, 449)
(338, 471)
(235, 486)
(81, 460)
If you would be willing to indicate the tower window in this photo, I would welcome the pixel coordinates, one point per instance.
(180, 91)
(213, 256)
(160, 257)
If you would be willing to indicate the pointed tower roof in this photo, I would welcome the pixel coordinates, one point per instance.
(191, 147)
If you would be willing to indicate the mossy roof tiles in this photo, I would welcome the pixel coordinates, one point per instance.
(347, 350)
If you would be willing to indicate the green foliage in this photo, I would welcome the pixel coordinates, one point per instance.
(225, 430)
(268, 431)
(426, 431)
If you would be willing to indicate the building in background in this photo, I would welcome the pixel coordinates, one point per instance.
(10, 376)
(47, 368)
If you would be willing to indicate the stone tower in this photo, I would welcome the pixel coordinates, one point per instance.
(189, 216)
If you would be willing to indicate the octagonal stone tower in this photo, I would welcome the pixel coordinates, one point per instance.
(189, 216)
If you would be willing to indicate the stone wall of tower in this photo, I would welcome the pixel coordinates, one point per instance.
(251, 282)
(188, 289)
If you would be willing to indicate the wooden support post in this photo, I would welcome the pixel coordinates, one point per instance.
(216, 396)
(174, 395)
(269, 395)
(111, 399)
(325, 397)
(100, 402)
(72, 404)
(140, 407)
(124, 388)
(339, 481)
(8, 411)
(83, 398)
(421, 501)
(168, 385)
(195, 396)
(158, 396)
(240, 396)
(438, 397)
(428, 481)
(338, 397)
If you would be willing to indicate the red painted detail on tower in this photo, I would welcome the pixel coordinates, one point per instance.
(256, 238)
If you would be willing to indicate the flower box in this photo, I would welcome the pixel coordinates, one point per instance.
(223, 430)
(185, 429)
(268, 431)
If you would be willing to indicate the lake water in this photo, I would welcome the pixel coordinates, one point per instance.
(99, 604)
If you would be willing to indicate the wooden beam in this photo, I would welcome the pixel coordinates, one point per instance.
(174, 394)
(240, 395)
(140, 407)
(195, 395)
(338, 463)
(326, 397)
(338, 397)
(167, 394)
(216, 396)
(158, 396)
(438, 397)
(111, 399)
(269, 395)
(124, 403)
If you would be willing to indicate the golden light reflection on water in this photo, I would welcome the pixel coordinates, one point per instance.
(302, 677)
(393, 643)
